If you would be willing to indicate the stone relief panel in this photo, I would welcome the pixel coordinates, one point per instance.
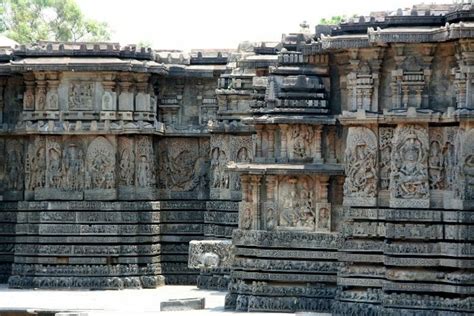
(100, 175)
(14, 170)
(35, 164)
(360, 187)
(126, 152)
(81, 95)
(409, 185)
(464, 185)
(300, 139)
(296, 202)
(219, 177)
(145, 172)
(436, 163)
(183, 167)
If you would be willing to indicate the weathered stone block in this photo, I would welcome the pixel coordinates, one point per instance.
(183, 304)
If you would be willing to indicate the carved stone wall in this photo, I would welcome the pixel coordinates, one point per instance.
(340, 163)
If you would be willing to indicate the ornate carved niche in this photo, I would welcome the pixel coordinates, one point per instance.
(241, 152)
(409, 185)
(183, 167)
(411, 77)
(81, 95)
(464, 184)
(360, 187)
(100, 180)
(363, 80)
(35, 164)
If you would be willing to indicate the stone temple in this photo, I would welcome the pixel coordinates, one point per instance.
(332, 171)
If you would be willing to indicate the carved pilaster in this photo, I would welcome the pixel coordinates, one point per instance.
(109, 98)
(318, 157)
(126, 94)
(40, 91)
(29, 95)
(284, 142)
(52, 97)
(259, 129)
(271, 141)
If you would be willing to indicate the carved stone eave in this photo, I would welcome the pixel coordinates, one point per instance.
(345, 42)
(286, 169)
(86, 64)
(410, 116)
(195, 71)
(291, 119)
(295, 70)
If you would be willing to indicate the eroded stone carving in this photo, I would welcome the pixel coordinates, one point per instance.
(409, 174)
(81, 95)
(360, 187)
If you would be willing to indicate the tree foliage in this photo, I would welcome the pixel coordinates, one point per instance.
(29, 21)
(334, 20)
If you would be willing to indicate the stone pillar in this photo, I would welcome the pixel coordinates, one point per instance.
(29, 95)
(40, 92)
(3, 82)
(52, 96)
(284, 142)
(318, 157)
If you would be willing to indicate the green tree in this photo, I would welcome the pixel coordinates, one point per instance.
(334, 20)
(29, 21)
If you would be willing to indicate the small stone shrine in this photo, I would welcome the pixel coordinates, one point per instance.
(332, 171)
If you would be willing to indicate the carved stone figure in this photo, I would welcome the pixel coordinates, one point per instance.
(73, 166)
(127, 162)
(81, 95)
(35, 168)
(14, 165)
(361, 166)
(409, 177)
(101, 164)
(297, 206)
(436, 169)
